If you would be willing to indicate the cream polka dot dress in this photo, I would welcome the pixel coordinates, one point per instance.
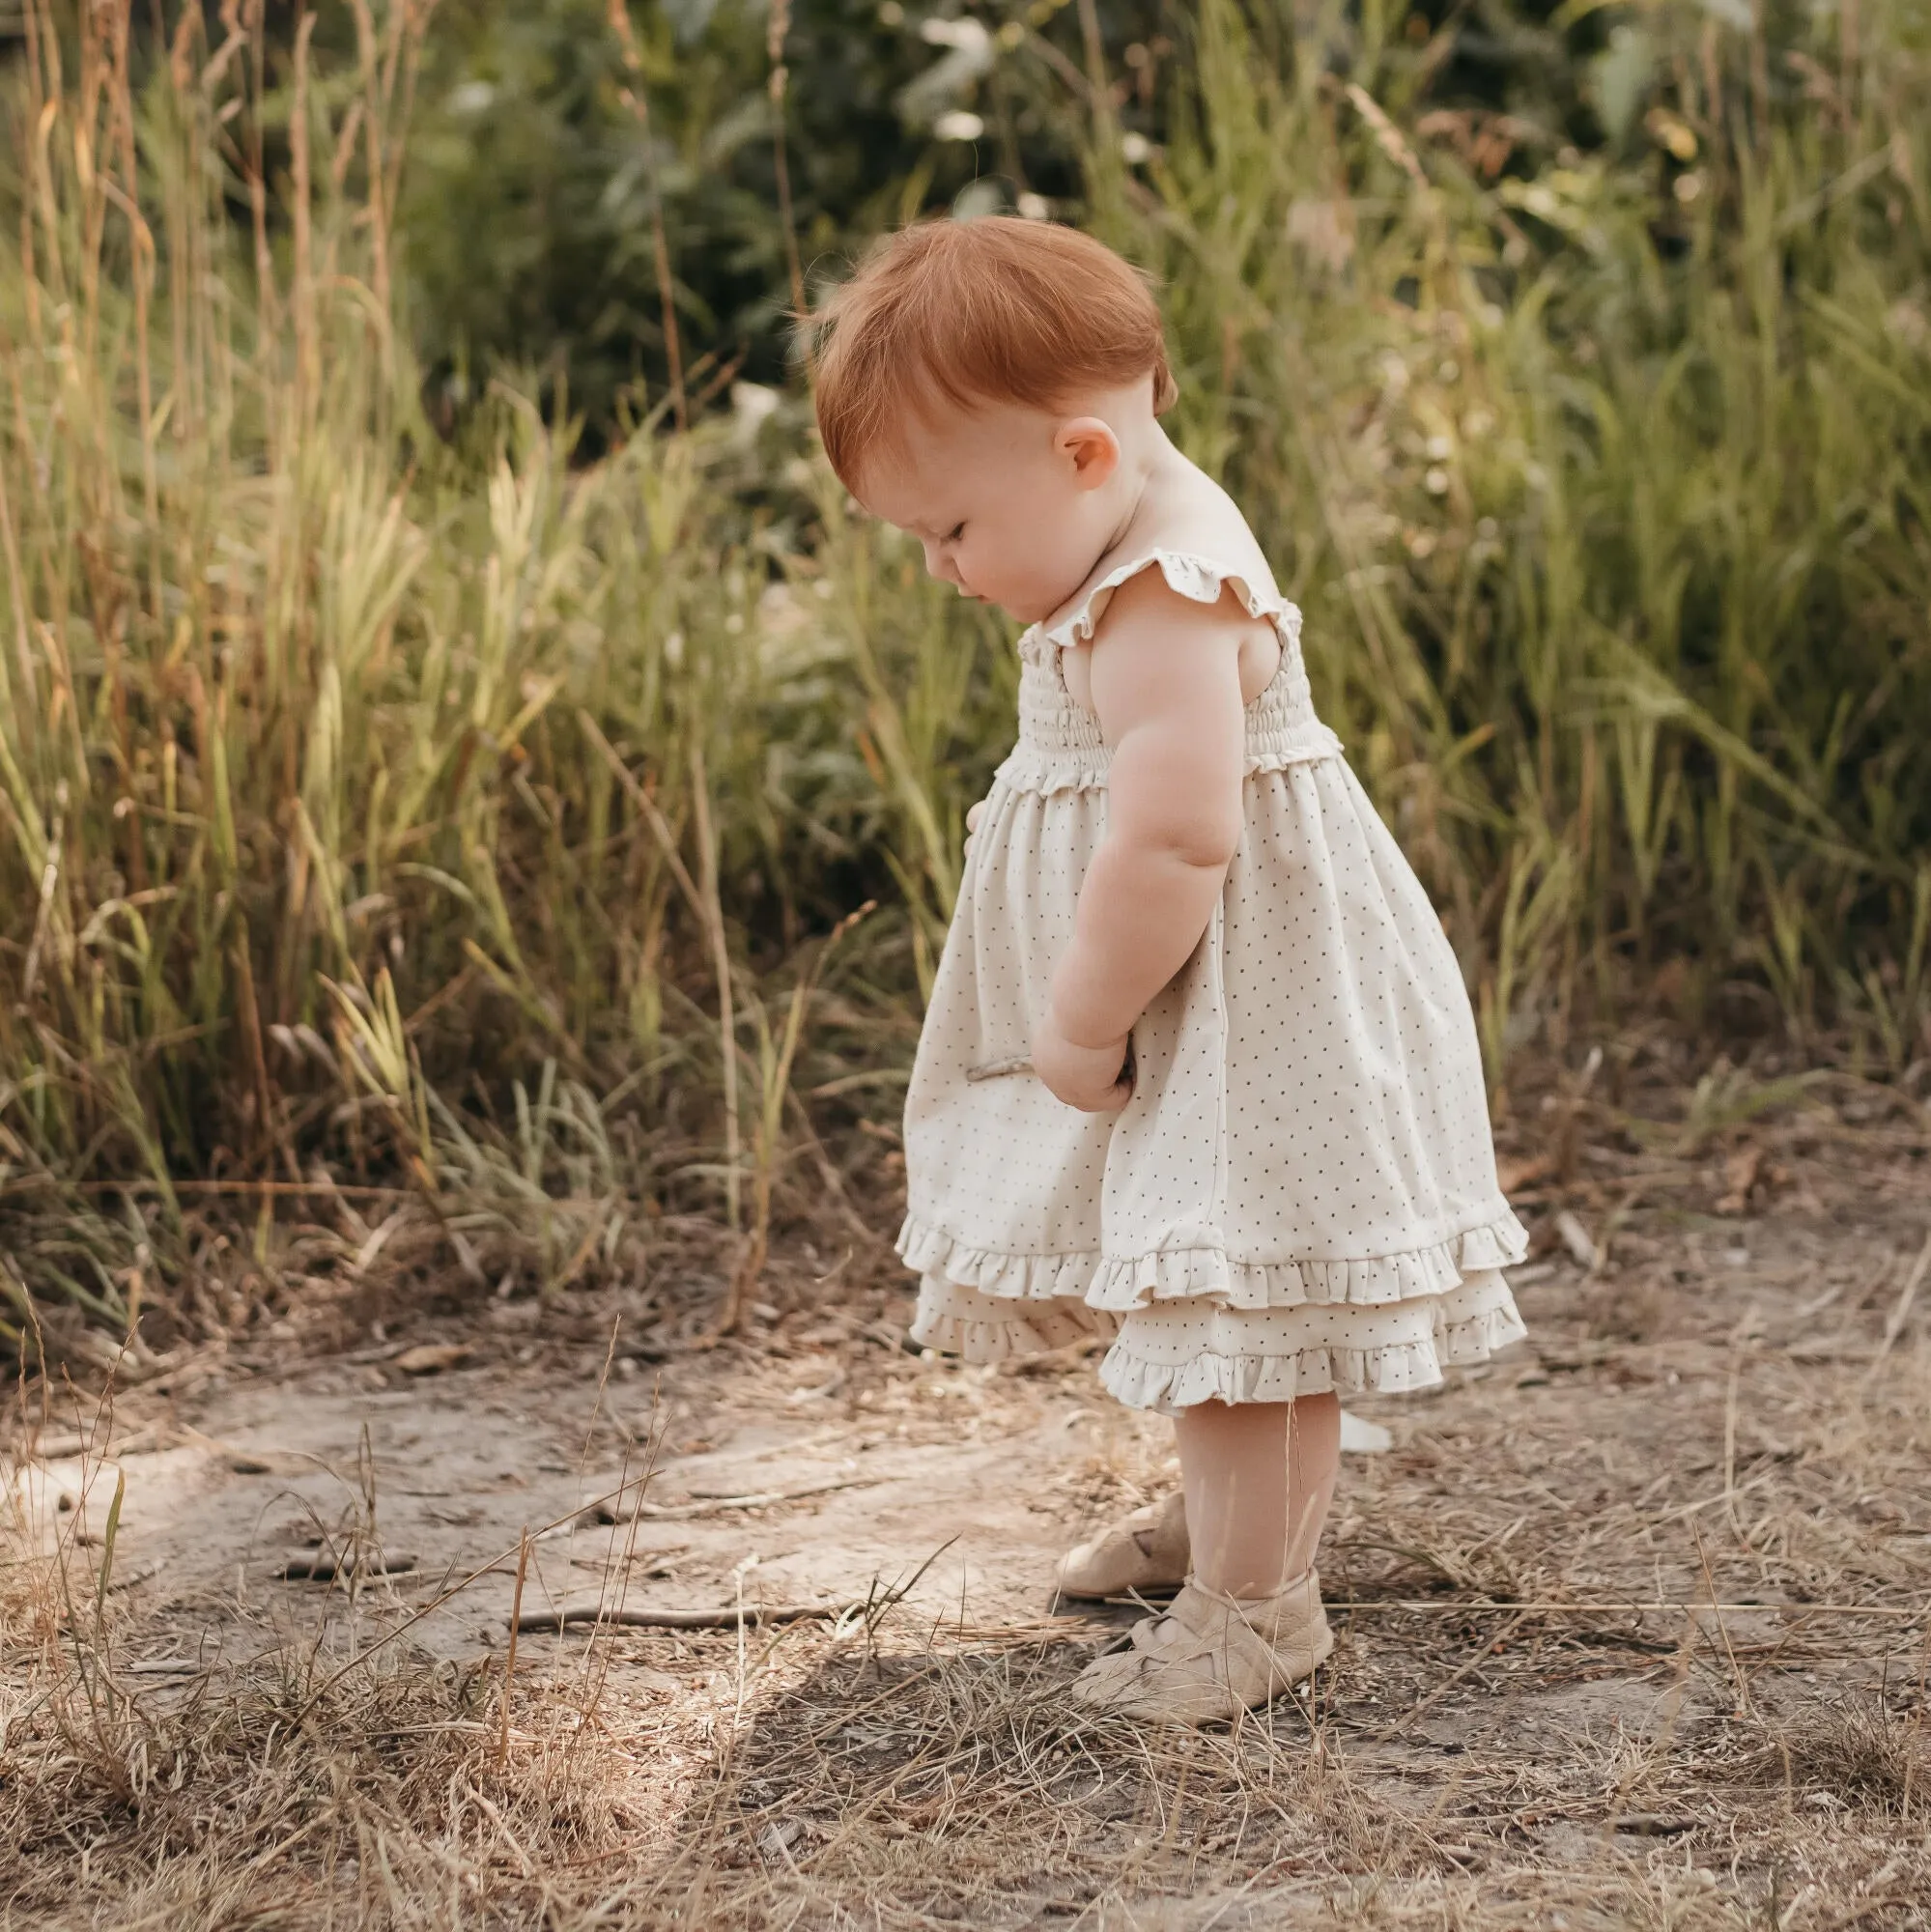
(1300, 1195)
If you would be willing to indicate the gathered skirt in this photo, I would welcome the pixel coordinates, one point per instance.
(1299, 1196)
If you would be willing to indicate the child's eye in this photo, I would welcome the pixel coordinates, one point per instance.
(956, 531)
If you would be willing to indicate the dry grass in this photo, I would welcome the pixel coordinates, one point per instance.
(1505, 1739)
(926, 1777)
(284, 706)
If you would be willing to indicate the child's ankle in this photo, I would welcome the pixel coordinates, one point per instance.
(1247, 1596)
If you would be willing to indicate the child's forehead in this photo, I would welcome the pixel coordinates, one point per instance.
(909, 494)
(933, 454)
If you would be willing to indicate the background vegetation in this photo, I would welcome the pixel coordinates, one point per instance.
(445, 711)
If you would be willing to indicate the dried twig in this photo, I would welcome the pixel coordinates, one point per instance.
(633, 1616)
(509, 1661)
(1901, 1314)
(704, 1506)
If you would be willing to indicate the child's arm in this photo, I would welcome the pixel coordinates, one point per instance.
(1166, 686)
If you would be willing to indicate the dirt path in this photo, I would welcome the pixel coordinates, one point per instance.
(1726, 1401)
(740, 1475)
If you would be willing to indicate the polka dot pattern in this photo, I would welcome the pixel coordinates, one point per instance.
(1302, 1193)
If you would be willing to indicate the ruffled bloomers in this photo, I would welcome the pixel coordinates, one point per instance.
(1352, 1327)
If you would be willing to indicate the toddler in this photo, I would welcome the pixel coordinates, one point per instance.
(1199, 1074)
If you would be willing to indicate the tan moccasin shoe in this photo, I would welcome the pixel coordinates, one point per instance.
(1209, 1657)
(1147, 1550)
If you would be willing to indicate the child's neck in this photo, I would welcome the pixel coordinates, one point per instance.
(1147, 457)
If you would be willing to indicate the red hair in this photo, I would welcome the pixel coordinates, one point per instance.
(996, 310)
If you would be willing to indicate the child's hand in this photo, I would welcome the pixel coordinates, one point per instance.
(974, 813)
(1094, 1079)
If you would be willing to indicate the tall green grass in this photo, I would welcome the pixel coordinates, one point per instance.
(461, 817)
(1604, 480)
(347, 781)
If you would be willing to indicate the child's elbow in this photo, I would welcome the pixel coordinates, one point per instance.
(1205, 841)
(1214, 854)
(1176, 802)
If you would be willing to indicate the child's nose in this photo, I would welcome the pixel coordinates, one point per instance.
(937, 563)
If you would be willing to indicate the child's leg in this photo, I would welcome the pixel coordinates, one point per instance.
(1259, 1479)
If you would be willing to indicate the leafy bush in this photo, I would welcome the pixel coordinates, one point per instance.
(535, 183)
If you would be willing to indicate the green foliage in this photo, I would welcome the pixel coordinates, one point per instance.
(1605, 478)
(358, 785)
(302, 716)
(534, 179)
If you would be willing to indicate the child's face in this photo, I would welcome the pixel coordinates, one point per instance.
(1009, 503)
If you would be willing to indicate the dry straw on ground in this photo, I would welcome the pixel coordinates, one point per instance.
(1724, 1415)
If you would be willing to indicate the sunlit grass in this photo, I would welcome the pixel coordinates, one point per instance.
(1608, 491)
(348, 780)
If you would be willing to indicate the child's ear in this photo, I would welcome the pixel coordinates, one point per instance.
(1094, 448)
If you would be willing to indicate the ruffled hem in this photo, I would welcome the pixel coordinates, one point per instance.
(930, 1251)
(978, 1341)
(1188, 575)
(1205, 1273)
(1031, 769)
(1392, 1368)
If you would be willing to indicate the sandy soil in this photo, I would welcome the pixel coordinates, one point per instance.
(1632, 1624)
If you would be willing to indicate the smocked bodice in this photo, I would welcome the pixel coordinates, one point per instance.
(1060, 745)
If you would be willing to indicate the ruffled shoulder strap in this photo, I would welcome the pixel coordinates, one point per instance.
(1201, 579)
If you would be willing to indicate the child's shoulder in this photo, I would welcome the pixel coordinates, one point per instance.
(1189, 532)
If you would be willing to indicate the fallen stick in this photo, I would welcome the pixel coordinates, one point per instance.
(326, 1566)
(761, 1499)
(612, 1512)
(629, 1617)
(65, 1448)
